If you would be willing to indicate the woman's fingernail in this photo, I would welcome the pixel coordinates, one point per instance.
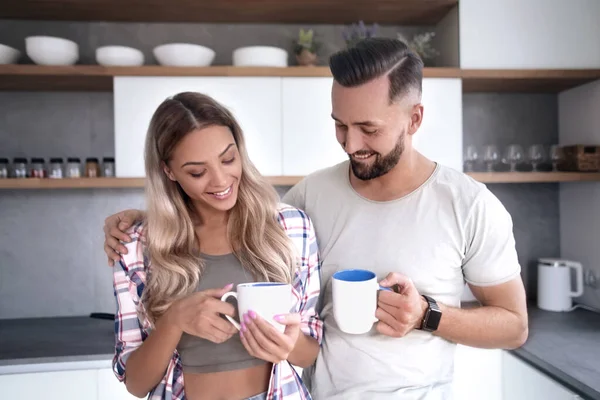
(279, 318)
(247, 319)
(243, 328)
(228, 286)
(252, 314)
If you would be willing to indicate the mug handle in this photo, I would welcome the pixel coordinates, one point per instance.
(378, 289)
(224, 298)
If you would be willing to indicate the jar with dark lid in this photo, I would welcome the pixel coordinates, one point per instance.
(73, 168)
(3, 168)
(38, 169)
(108, 167)
(56, 168)
(19, 167)
(92, 169)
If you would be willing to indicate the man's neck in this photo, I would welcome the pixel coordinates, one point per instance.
(409, 174)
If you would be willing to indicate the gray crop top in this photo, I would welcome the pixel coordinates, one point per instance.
(202, 356)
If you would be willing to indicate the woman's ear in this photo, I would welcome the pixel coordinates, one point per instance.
(168, 172)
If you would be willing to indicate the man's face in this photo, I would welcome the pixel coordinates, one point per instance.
(373, 132)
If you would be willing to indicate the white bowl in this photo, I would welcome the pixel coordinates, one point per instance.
(49, 50)
(260, 56)
(184, 55)
(8, 55)
(119, 56)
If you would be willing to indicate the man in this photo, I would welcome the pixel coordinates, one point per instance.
(423, 227)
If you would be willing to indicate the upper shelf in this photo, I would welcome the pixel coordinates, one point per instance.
(23, 77)
(400, 12)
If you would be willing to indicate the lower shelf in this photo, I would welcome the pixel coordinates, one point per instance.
(115, 183)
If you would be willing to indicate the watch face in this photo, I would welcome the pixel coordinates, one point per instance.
(433, 319)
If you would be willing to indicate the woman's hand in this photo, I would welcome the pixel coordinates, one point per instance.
(262, 340)
(198, 315)
(114, 232)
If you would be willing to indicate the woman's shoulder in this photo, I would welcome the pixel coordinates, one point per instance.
(136, 257)
(292, 216)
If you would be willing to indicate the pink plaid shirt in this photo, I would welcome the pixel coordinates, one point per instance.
(130, 332)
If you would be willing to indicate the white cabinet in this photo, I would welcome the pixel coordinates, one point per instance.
(255, 102)
(477, 374)
(58, 385)
(309, 142)
(109, 387)
(440, 135)
(522, 34)
(523, 382)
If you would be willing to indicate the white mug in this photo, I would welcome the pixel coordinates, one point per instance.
(267, 299)
(355, 300)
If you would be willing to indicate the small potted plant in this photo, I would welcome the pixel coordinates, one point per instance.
(421, 44)
(357, 32)
(306, 47)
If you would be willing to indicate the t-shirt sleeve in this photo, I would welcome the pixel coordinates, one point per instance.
(491, 255)
(295, 197)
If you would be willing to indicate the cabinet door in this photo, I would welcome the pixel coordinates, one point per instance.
(309, 142)
(60, 385)
(255, 103)
(440, 136)
(109, 387)
(522, 34)
(477, 373)
(523, 382)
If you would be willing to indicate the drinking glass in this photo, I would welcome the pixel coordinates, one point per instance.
(556, 155)
(514, 155)
(537, 155)
(471, 158)
(490, 156)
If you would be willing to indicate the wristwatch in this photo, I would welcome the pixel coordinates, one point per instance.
(432, 317)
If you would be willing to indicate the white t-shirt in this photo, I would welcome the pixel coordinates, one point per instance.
(450, 230)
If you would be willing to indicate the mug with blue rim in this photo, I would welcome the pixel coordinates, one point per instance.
(354, 294)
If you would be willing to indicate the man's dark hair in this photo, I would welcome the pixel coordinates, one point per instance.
(374, 57)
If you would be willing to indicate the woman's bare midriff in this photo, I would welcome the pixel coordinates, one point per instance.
(228, 385)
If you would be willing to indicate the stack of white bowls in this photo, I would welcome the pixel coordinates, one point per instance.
(184, 55)
(49, 50)
(123, 56)
(8, 55)
(260, 56)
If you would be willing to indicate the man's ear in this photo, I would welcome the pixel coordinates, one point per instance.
(416, 118)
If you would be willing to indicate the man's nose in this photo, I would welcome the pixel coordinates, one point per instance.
(354, 141)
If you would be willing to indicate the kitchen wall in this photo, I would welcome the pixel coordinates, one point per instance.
(580, 202)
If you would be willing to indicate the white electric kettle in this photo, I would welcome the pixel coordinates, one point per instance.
(554, 283)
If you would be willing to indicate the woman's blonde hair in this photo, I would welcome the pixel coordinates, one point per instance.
(256, 236)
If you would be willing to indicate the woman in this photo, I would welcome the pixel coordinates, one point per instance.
(213, 221)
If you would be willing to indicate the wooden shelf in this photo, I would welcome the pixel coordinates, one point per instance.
(397, 12)
(97, 78)
(526, 81)
(115, 183)
(21, 77)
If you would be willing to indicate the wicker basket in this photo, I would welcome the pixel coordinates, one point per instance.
(580, 158)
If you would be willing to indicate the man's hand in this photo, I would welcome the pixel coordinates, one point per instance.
(114, 231)
(402, 311)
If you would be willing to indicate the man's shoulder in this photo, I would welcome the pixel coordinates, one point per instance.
(458, 186)
(326, 175)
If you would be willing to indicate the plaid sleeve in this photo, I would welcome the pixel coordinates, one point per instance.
(128, 282)
(307, 283)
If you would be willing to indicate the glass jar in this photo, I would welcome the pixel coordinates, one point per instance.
(19, 168)
(92, 169)
(38, 169)
(3, 168)
(108, 164)
(56, 168)
(73, 168)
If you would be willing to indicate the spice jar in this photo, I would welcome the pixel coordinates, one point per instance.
(3, 168)
(73, 168)
(56, 168)
(38, 170)
(92, 169)
(19, 167)
(108, 164)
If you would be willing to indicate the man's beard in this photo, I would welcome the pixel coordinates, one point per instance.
(382, 164)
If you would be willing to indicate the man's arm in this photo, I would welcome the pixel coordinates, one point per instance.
(491, 269)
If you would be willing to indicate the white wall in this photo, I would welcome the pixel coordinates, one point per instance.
(515, 34)
(579, 123)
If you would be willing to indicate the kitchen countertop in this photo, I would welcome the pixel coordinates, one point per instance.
(565, 346)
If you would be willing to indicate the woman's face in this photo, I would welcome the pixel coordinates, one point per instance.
(207, 165)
